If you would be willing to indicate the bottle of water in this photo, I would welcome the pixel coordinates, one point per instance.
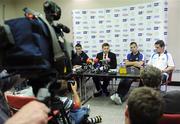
(122, 69)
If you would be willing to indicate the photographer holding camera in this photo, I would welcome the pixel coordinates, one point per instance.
(33, 112)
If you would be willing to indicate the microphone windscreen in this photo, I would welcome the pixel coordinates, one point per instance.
(64, 28)
(96, 60)
(88, 60)
(108, 59)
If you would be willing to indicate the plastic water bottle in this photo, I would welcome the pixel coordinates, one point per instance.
(122, 69)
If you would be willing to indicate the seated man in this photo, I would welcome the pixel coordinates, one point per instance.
(162, 60)
(151, 77)
(79, 57)
(106, 55)
(144, 106)
(134, 60)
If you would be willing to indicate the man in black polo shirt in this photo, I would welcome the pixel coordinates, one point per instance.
(134, 59)
(79, 57)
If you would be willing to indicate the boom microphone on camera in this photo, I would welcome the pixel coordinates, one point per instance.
(64, 28)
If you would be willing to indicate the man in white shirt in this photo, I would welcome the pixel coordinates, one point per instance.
(162, 59)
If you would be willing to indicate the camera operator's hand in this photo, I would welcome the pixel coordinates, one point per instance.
(32, 113)
(74, 87)
(76, 99)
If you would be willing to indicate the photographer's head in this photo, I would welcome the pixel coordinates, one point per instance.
(151, 76)
(145, 106)
(105, 47)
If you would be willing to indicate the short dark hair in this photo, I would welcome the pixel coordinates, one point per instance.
(151, 76)
(133, 43)
(145, 106)
(160, 43)
(105, 44)
(78, 45)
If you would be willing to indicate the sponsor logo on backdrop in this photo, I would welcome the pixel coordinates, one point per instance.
(140, 13)
(140, 29)
(156, 28)
(149, 11)
(116, 15)
(156, 4)
(100, 41)
(140, 34)
(165, 33)
(117, 50)
(149, 6)
(78, 42)
(132, 8)
(131, 29)
(125, 9)
(101, 11)
(165, 9)
(132, 19)
(85, 32)
(108, 11)
(132, 24)
(86, 47)
(84, 12)
(148, 39)
(141, 7)
(148, 17)
(148, 29)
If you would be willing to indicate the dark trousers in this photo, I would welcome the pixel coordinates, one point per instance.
(124, 86)
(100, 86)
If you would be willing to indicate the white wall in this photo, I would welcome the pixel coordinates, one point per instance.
(7, 9)
(174, 34)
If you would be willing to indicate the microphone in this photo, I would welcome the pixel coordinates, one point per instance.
(96, 60)
(89, 61)
(64, 28)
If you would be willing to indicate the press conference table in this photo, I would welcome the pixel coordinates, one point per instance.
(117, 75)
(85, 76)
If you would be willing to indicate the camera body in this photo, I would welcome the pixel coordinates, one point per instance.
(52, 10)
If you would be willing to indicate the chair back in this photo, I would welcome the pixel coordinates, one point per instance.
(170, 119)
(16, 102)
(165, 83)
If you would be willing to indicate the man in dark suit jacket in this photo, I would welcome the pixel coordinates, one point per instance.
(111, 58)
